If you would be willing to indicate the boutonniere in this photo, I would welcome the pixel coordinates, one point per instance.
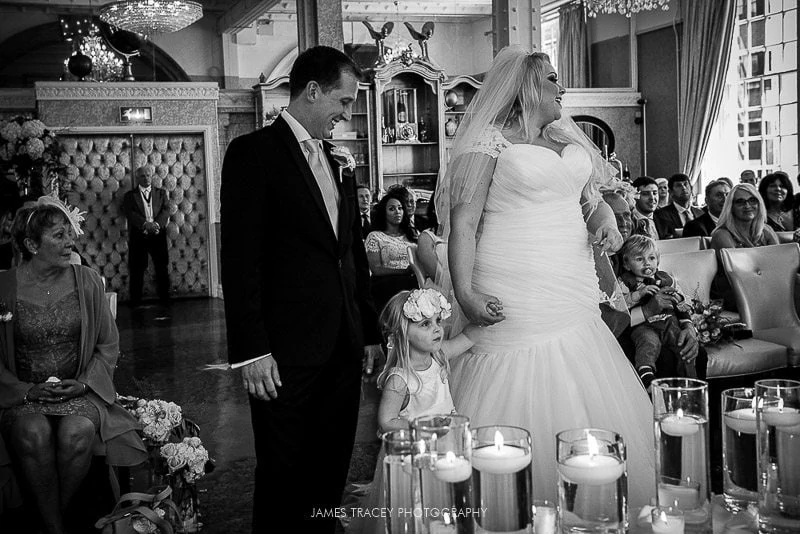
(5, 313)
(342, 156)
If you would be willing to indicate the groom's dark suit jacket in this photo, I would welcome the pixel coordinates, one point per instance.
(290, 285)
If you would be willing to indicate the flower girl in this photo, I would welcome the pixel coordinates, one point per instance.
(414, 380)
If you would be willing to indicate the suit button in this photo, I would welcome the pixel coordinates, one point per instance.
(340, 263)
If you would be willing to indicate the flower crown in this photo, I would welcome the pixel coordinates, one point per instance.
(425, 303)
(74, 215)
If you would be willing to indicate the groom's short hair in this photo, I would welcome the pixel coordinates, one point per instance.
(321, 64)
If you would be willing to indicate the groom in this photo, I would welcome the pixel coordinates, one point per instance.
(297, 306)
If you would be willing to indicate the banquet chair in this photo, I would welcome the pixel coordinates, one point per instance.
(785, 237)
(763, 281)
(683, 244)
(694, 272)
(416, 267)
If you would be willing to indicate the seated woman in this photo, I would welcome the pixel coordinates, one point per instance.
(387, 249)
(57, 360)
(742, 224)
(778, 196)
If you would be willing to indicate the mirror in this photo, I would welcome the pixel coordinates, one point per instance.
(598, 131)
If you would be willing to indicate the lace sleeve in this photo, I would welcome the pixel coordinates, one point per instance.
(491, 143)
(372, 243)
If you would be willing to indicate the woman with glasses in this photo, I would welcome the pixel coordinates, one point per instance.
(742, 224)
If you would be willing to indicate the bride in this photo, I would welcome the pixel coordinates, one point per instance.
(520, 207)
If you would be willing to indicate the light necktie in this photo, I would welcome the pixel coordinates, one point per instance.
(324, 180)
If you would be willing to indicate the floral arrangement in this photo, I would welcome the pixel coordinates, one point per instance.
(425, 303)
(710, 325)
(187, 459)
(30, 150)
(5, 313)
(158, 418)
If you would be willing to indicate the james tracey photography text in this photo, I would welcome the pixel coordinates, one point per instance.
(385, 512)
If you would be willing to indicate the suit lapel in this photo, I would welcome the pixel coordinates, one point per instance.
(137, 196)
(344, 205)
(287, 136)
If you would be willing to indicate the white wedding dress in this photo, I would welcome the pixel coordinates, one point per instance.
(552, 364)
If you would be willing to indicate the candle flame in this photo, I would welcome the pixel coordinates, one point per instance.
(679, 413)
(450, 457)
(663, 517)
(591, 441)
(498, 440)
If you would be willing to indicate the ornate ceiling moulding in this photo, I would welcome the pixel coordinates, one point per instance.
(126, 91)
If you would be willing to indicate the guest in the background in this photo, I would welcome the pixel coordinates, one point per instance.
(429, 261)
(671, 219)
(147, 211)
(6, 238)
(387, 249)
(748, 177)
(409, 198)
(716, 193)
(726, 180)
(663, 192)
(778, 196)
(742, 224)
(646, 203)
(364, 206)
(57, 362)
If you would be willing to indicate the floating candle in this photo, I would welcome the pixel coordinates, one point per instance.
(783, 419)
(452, 468)
(591, 470)
(667, 523)
(679, 425)
(684, 496)
(742, 420)
(500, 459)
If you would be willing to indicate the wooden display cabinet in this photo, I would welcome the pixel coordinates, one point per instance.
(458, 93)
(408, 152)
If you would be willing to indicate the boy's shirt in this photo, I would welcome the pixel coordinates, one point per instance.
(630, 283)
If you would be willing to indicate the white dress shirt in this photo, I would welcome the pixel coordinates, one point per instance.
(147, 200)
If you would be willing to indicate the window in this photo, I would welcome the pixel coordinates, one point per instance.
(754, 94)
(754, 150)
(757, 64)
(757, 33)
(756, 8)
(550, 37)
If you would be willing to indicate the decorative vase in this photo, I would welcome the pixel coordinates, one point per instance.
(450, 127)
(184, 495)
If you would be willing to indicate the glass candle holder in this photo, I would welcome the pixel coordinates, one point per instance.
(502, 478)
(545, 517)
(778, 449)
(739, 458)
(592, 481)
(441, 457)
(397, 482)
(667, 520)
(680, 412)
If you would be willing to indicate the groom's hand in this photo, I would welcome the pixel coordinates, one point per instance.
(261, 378)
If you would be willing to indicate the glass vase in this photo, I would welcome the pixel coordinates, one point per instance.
(184, 495)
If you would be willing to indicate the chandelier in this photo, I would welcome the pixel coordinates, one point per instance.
(106, 65)
(151, 16)
(623, 7)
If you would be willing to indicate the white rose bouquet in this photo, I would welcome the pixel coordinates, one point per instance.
(30, 150)
(186, 459)
(158, 418)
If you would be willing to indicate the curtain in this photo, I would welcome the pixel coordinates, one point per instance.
(704, 54)
(573, 46)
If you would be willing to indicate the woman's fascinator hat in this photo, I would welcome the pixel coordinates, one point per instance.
(424, 304)
(74, 215)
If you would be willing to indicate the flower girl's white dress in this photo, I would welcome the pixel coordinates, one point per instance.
(552, 364)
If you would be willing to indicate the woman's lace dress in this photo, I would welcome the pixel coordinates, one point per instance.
(47, 341)
(552, 364)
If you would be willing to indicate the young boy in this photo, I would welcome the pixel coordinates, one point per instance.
(640, 280)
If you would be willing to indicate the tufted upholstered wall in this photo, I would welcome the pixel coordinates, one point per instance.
(99, 168)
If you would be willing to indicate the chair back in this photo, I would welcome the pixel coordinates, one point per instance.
(683, 244)
(693, 271)
(415, 266)
(763, 279)
(785, 237)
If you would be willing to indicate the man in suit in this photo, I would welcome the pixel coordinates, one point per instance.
(364, 207)
(147, 211)
(716, 193)
(646, 203)
(297, 305)
(671, 219)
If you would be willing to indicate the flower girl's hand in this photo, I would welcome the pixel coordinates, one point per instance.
(481, 309)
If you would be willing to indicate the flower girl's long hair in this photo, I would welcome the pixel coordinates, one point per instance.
(394, 325)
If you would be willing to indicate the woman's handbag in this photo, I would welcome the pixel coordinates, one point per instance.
(141, 515)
